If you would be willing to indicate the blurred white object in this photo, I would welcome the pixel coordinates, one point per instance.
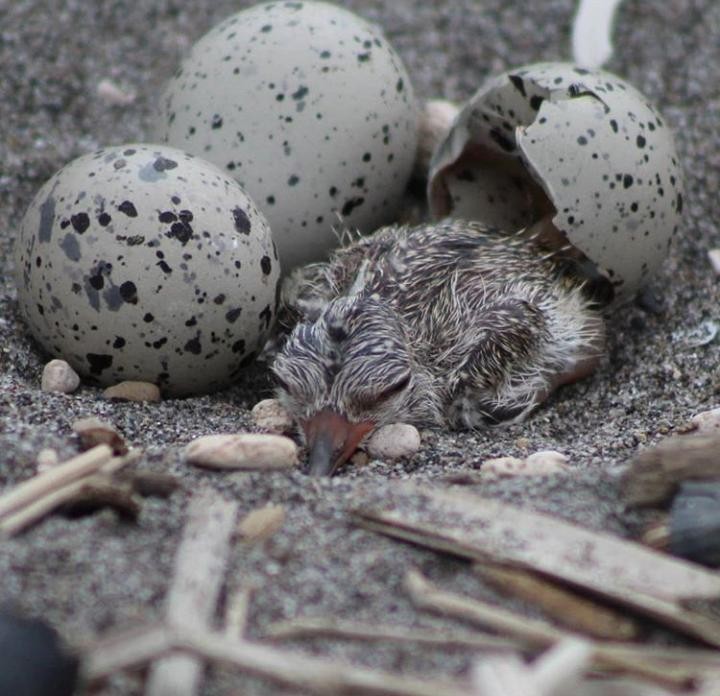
(591, 42)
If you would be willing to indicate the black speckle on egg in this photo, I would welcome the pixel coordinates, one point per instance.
(266, 264)
(266, 316)
(104, 219)
(216, 122)
(232, 315)
(96, 281)
(351, 204)
(80, 222)
(128, 208)
(536, 101)
(167, 216)
(162, 164)
(98, 362)
(293, 180)
(238, 346)
(118, 343)
(242, 221)
(128, 292)
(193, 346)
(628, 181)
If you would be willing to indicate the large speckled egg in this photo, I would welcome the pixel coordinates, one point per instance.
(143, 262)
(581, 148)
(310, 109)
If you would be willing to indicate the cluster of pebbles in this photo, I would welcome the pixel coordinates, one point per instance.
(272, 448)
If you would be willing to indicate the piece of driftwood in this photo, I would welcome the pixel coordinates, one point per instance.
(313, 627)
(51, 480)
(483, 529)
(563, 665)
(566, 607)
(558, 668)
(195, 589)
(503, 675)
(654, 475)
(539, 634)
(134, 649)
(37, 498)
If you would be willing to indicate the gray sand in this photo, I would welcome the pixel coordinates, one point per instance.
(91, 574)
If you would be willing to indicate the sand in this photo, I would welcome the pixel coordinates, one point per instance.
(91, 574)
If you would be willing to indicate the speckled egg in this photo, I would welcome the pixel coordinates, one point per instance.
(143, 262)
(580, 147)
(310, 109)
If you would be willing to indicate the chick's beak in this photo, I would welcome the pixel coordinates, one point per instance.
(332, 439)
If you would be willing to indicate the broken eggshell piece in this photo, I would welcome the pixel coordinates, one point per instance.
(582, 147)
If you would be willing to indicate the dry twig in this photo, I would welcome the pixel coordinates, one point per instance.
(39, 496)
(134, 649)
(539, 633)
(566, 607)
(332, 628)
(624, 572)
(199, 572)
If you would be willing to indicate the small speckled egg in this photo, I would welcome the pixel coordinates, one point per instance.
(143, 262)
(581, 147)
(310, 109)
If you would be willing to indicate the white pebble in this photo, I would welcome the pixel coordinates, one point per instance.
(707, 421)
(131, 390)
(270, 414)
(714, 256)
(58, 376)
(242, 451)
(394, 441)
(114, 95)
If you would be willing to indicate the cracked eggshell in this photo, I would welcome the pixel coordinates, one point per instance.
(582, 146)
(143, 262)
(310, 109)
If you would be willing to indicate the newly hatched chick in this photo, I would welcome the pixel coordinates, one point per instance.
(449, 323)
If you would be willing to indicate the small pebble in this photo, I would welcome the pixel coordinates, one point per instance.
(539, 463)
(549, 461)
(707, 421)
(242, 451)
(47, 459)
(133, 391)
(93, 432)
(504, 466)
(113, 94)
(393, 441)
(270, 414)
(714, 256)
(58, 376)
(360, 458)
(262, 523)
